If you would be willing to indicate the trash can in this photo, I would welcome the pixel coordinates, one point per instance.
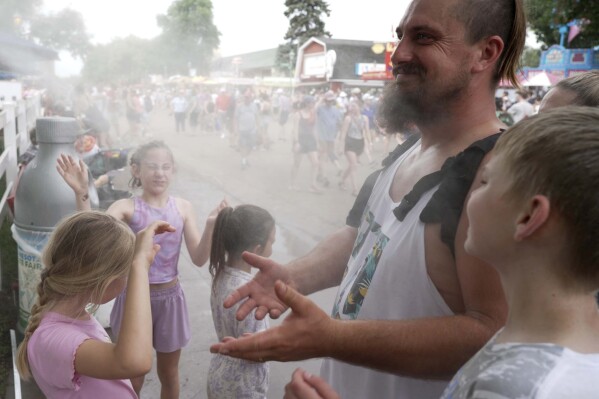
(41, 200)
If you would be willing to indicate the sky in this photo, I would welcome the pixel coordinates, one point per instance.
(245, 25)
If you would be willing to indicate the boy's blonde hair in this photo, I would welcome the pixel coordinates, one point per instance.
(584, 86)
(556, 154)
(86, 252)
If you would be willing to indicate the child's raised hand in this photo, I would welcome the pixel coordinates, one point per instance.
(145, 249)
(74, 173)
(214, 213)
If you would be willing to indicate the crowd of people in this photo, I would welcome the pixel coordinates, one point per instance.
(332, 129)
(467, 268)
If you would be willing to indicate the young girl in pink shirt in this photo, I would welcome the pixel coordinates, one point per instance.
(152, 168)
(88, 260)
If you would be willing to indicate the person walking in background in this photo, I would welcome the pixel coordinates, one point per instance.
(222, 103)
(328, 122)
(179, 106)
(114, 109)
(152, 167)
(89, 259)
(304, 143)
(134, 112)
(285, 109)
(265, 107)
(244, 228)
(246, 126)
(148, 107)
(194, 111)
(355, 137)
(522, 108)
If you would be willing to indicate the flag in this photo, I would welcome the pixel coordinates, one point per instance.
(576, 27)
(573, 32)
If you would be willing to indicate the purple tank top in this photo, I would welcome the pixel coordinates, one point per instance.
(164, 268)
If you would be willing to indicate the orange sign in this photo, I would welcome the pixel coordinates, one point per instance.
(388, 52)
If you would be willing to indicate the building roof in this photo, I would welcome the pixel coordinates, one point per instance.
(349, 53)
(22, 56)
(263, 59)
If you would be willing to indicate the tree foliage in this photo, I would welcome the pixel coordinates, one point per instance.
(64, 30)
(531, 57)
(546, 16)
(305, 21)
(188, 40)
(189, 36)
(123, 60)
(15, 13)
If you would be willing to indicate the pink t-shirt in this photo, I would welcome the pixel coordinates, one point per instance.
(51, 352)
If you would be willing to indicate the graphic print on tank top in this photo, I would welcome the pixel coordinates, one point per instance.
(359, 289)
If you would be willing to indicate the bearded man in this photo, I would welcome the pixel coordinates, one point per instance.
(412, 305)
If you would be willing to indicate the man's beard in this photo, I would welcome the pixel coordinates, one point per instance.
(401, 108)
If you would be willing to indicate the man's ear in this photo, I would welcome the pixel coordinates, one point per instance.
(489, 51)
(534, 215)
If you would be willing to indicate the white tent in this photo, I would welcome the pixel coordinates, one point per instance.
(544, 79)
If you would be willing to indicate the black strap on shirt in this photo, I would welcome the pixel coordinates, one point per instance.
(355, 214)
(445, 206)
(447, 203)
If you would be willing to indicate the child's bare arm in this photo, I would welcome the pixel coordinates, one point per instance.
(132, 354)
(198, 244)
(75, 174)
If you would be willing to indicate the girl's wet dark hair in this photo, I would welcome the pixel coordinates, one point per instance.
(236, 230)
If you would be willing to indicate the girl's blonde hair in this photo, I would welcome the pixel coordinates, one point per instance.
(141, 152)
(86, 252)
(556, 154)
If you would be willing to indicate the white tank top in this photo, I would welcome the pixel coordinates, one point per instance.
(386, 279)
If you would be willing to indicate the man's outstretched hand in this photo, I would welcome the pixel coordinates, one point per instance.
(306, 333)
(304, 385)
(259, 293)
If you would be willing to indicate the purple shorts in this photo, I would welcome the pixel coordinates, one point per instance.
(170, 320)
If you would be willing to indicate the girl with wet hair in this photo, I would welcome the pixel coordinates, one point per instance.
(246, 228)
(88, 260)
(152, 168)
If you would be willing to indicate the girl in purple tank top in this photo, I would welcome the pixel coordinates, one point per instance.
(87, 261)
(152, 167)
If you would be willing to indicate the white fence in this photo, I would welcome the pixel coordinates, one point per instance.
(17, 119)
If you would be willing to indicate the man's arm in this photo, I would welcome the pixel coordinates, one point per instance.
(422, 348)
(432, 347)
(321, 268)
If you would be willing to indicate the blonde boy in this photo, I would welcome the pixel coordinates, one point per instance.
(536, 220)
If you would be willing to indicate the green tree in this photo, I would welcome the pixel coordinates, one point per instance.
(124, 60)
(189, 36)
(14, 14)
(531, 57)
(64, 30)
(305, 21)
(546, 16)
